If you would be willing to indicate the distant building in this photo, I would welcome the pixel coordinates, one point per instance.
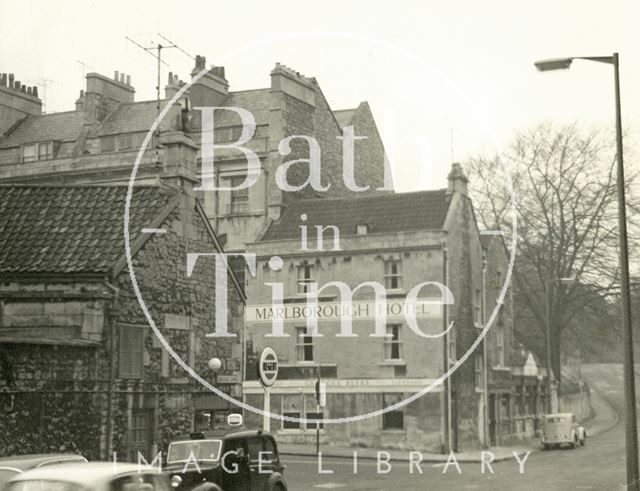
(80, 368)
(98, 141)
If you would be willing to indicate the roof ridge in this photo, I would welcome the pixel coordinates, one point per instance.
(67, 186)
(232, 92)
(358, 196)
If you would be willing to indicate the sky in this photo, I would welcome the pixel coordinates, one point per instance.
(445, 80)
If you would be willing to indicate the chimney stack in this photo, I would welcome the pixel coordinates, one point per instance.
(457, 181)
(212, 88)
(293, 84)
(16, 101)
(103, 95)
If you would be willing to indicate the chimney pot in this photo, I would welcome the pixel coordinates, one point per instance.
(170, 80)
(11, 80)
(35, 91)
(3, 79)
(23, 88)
(17, 84)
(116, 75)
(128, 79)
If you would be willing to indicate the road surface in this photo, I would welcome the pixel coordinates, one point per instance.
(600, 465)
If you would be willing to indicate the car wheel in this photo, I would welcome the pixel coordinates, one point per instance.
(546, 446)
(277, 487)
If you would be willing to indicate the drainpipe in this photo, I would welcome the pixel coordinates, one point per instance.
(112, 346)
(485, 384)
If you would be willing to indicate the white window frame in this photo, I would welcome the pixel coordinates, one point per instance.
(500, 344)
(302, 342)
(238, 198)
(391, 341)
(390, 275)
(479, 369)
(305, 278)
(36, 151)
(477, 308)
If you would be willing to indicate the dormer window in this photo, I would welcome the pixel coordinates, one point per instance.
(37, 151)
(116, 143)
(362, 229)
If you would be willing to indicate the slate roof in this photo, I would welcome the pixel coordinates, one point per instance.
(131, 117)
(73, 229)
(256, 101)
(65, 126)
(383, 213)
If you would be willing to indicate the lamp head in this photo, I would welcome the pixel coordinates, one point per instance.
(553, 64)
(215, 364)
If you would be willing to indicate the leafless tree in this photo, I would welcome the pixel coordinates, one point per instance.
(564, 183)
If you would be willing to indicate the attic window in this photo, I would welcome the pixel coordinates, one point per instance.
(113, 143)
(37, 151)
(362, 229)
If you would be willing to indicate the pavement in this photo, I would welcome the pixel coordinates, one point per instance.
(603, 418)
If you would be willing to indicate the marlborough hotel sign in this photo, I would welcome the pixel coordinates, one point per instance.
(335, 311)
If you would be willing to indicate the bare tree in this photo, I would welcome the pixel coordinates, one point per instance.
(565, 203)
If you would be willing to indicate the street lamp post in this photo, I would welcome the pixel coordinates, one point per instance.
(631, 425)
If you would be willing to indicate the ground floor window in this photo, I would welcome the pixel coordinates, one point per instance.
(291, 425)
(211, 419)
(392, 420)
(311, 423)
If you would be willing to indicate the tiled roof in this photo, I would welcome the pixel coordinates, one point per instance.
(383, 213)
(345, 116)
(64, 126)
(73, 229)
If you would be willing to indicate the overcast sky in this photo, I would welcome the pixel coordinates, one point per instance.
(443, 78)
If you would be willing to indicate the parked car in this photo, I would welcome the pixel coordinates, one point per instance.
(225, 460)
(11, 467)
(562, 428)
(94, 476)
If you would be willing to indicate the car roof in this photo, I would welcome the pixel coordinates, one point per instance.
(25, 462)
(224, 433)
(85, 474)
(559, 415)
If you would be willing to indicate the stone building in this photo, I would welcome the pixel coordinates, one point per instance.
(398, 240)
(98, 141)
(81, 367)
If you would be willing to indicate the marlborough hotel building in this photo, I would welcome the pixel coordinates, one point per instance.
(398, 240)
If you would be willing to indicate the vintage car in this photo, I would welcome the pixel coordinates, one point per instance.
(562, 428)
(10, 467)
(225, 460)
(94, 476)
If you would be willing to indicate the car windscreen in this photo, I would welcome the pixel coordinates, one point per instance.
(201, 450)
(43, 485)
(6, 474)
(556, 419)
